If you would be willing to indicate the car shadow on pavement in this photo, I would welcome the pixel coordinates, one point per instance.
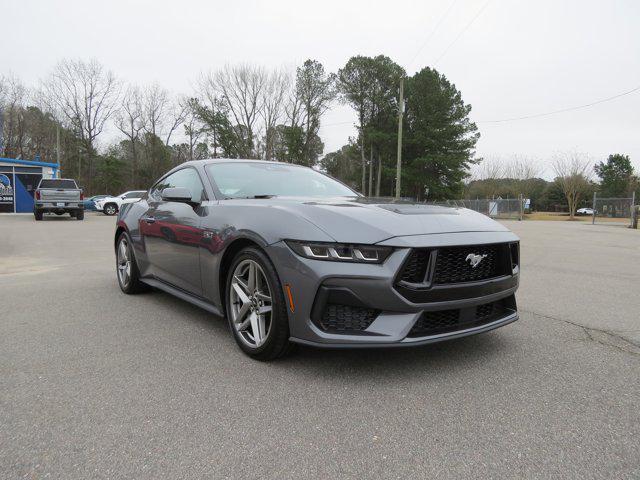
(362, 363)
(398, 363)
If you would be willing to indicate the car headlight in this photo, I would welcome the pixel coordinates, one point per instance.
(340, 252)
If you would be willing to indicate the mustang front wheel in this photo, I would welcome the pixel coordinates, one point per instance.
(256, 309)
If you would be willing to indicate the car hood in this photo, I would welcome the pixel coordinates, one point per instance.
(363, 220)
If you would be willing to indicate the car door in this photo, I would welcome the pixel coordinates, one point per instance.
(172, 234)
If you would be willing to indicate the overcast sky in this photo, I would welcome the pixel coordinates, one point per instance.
(517, 58)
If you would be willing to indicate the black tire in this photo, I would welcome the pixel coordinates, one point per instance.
(110, 209)
(79, 214)
(38, 215)
(277, 342)
(133, 285)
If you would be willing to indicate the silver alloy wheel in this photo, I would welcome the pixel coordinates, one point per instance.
(250, 304)
(124, 262)
(110, 210)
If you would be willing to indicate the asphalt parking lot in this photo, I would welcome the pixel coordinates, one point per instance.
(97, 384)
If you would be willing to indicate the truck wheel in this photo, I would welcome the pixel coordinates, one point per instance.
(110, 209)
(37, 214)
(79, 215)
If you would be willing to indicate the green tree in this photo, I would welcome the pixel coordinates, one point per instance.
(110, 174)
(370, 86)
(343, 164)
(225, 141)
(616, 176)
(382, 128)
(314, 91)
(355, 85)
(440, 138)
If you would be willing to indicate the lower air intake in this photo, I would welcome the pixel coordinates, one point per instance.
(447, 321)
(343, 319)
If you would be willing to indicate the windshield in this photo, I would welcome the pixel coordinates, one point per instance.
(56, 183)
(250, 179)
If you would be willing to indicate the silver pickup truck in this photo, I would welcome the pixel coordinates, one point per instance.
(59, 196)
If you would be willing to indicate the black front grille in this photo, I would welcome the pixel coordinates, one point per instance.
(456, 265)
(338, 318)
(447, 321)
(415, 268)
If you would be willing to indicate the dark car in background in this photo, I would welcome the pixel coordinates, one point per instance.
(290, 255)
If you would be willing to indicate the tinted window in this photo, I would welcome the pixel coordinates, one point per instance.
(186, 178)
(56, 183)
(248, 179)
(134, 195)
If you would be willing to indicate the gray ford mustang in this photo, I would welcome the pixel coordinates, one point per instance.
(290, 255)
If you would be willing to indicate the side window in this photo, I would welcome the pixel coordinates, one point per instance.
(186, 178)
(132, 195)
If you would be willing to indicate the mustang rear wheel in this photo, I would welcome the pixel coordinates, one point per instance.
(256, 310)
(126, 267)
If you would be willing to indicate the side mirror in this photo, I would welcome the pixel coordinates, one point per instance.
(177, 194)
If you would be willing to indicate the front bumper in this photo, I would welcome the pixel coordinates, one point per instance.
(373, 287)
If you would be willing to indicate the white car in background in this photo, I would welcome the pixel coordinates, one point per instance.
(111, 205)
(585, 211)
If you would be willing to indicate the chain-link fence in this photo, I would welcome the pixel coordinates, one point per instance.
(504, 208)
(606, 210)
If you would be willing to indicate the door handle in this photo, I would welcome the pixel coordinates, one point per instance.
(149, 219)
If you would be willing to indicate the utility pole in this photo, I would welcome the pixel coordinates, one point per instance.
(58, 150)
(400, 115)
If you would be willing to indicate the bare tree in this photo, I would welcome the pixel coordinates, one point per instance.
(240, 88)
(490, 171)
(273, 95)
(13, 96)
(573, 171)
(162, 114)
(523, 168)
(523, 171)
(84, 95)
(177, 115)
(155, 106)
(129, 120)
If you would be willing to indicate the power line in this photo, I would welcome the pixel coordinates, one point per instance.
(577, 107)
(446, 13)
(462, 31)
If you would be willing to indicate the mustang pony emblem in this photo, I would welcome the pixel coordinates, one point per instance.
(474, 259)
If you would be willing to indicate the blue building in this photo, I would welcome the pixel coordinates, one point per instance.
(18, 181)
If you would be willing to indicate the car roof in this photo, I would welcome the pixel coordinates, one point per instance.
(208, 161)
